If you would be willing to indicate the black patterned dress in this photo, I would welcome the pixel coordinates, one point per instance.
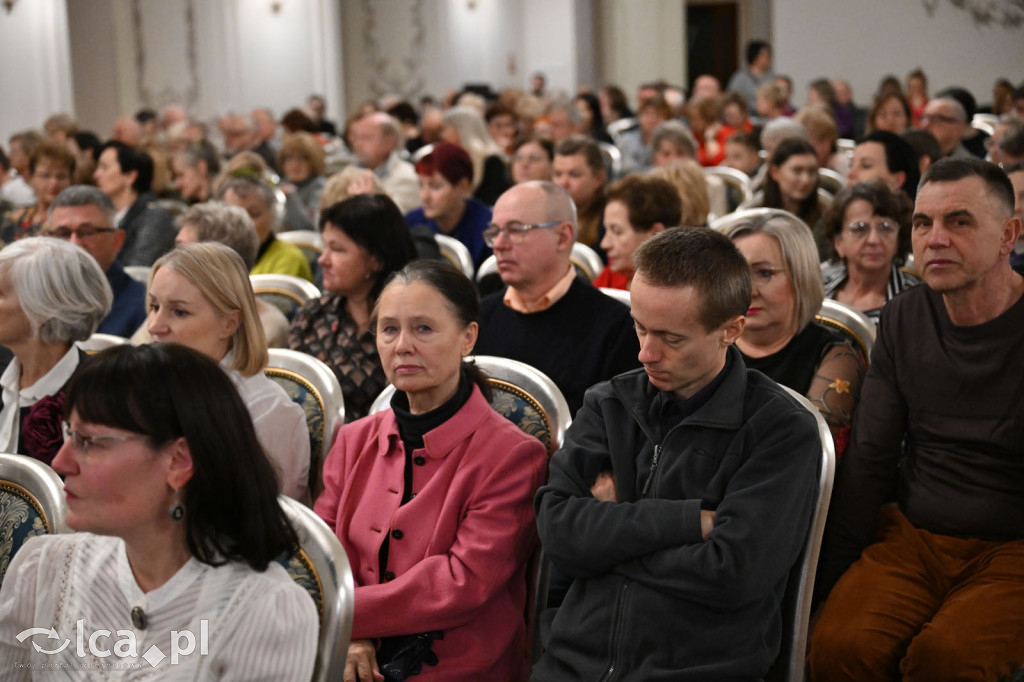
(322, 328)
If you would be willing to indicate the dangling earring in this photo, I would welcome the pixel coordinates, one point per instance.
(177, 510)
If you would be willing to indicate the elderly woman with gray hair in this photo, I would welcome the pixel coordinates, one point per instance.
(52, 293)
(780, 338)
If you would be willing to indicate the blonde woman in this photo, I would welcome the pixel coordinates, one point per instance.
(465, 127)
(200, 296)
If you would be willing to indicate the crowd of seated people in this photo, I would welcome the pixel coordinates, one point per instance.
(527, 182)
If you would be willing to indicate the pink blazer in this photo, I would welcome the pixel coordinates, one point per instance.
(458, 552)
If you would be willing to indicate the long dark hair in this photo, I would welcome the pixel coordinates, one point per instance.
(375, 223)
(460, 295)
(168, 391)
(792, 146)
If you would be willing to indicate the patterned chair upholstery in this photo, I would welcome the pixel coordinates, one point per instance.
(790, 666)
(284, 292)
(522, 394)
(31, 504)
(456, 253)
(853, 324)
(321, 567)
(312, 386)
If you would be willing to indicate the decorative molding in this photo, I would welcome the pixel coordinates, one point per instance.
(1005, 13)
(394, 73)
(168, 95)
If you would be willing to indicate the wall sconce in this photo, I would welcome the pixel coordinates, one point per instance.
(275, 7)
(471, 4)
(9, 5)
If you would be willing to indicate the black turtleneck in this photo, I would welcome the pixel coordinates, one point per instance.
(413, 427)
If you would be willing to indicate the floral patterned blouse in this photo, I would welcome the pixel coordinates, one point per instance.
(322, 328)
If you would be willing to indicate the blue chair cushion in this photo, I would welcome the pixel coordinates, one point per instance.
(21, 517)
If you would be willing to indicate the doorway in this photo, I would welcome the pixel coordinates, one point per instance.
(711, 40)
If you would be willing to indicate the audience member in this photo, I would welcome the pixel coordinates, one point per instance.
(126, 175)
(917, 95)
(376, 140)
(885, 156)
(868, 227)
(889, 111)
(241, 135)
(59, 128)
(847, 110)
(926, 148)
(636, 208)
(199, 296)
(1016, 174)
(303, 164)
(1011, 146)
(770, 101)
(51, 169)
(691, 184)
(706, 85)
(86, 147)
(742, 152)
(259, 200)
(973, 140)
(683, 493)
(614, 106)
(365, 240)
(533, 159)
(231, 226)
(757, 71)
(548, 317)
(635, 144)
(195, 167)
(445, 175)
(781, 338)
(501, 126)
(792, 183)
(591, 120)
(128, 131)
(822, 133)
(20, 147)
(317, 106)
(460, 524)
(672, 141)
(51, 294)
(704, 117)
(85, 216)
(580, 170)
(945, 118)
(936, 592)
(155, 437)
(465, 127)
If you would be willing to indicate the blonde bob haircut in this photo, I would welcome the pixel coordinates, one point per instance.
(799, 254)
(218, 272)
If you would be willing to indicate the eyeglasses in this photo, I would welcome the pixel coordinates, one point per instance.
(762, 276)
(515, 231)
(941, 118)
(84, 232)
(860, 229)
(531, 158)
(84, 443)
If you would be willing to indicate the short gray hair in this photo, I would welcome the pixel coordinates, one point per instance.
(85, 195)
(61, 288)
(779, 129)
(958, 108)
(678, 134)
(228, 225)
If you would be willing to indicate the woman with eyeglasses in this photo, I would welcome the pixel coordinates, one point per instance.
(172, 574)
(781, 338)
(868, 228)
(52, 293)
(533, 159)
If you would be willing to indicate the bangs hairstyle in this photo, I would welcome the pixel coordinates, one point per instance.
(374, 222)
(799, 255)
(460, 298)
(219, 273)
(703, 259)
(60, 288)
(168, 391)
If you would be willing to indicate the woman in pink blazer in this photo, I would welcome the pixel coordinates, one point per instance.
(432, 498)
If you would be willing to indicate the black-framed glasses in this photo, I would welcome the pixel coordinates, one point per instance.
(514, 230)
(860, 229)
(85, 443)
(762, 276)
(83, 232)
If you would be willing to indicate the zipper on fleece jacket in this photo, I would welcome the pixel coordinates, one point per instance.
(619, 610)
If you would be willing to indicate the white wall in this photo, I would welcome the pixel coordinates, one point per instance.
(643, 40)
(864, 40)
(35, 79)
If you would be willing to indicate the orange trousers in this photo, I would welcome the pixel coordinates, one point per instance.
(919, 606)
